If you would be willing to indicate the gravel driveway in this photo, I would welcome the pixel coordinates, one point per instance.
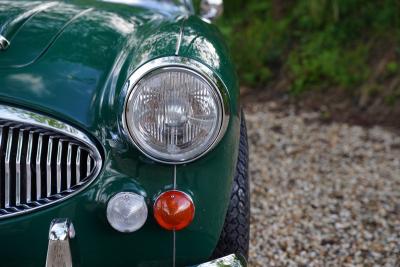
(322, 194)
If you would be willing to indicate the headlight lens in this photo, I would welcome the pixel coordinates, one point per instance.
(174, 114)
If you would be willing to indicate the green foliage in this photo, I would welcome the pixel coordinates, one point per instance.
(392, 67)
(313, 44)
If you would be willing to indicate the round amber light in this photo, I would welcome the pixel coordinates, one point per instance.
(174, 210)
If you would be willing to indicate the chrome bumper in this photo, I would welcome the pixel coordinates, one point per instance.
(228, 261)
(59, 249)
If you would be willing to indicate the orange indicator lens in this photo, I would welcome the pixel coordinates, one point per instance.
(174, 210)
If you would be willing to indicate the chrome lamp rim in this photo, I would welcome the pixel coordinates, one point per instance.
(187, 64)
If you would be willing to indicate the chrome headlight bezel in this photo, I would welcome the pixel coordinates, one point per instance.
(182, 64)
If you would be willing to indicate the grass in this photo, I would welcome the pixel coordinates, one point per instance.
(350, 45)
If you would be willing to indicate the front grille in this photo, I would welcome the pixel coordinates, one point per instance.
(41, 161)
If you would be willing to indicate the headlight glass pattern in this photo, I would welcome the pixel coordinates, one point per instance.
(174, 114)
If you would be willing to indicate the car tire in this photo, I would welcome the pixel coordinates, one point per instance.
(234, 238)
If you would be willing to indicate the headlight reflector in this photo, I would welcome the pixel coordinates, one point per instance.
(174, 114)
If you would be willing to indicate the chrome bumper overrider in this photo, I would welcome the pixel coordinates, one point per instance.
(59, 249)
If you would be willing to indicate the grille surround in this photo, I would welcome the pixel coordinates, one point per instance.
(60, 171)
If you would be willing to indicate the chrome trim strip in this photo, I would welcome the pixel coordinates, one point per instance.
(180, 37)
(28, 168)
(18, 169)
(174, 231)
(18, 115)
(189, 65)
(7, 169)
(175, 184)
(174, 248)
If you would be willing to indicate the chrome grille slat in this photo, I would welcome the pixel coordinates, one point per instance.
(1, 161)
(59, 154)
(7, 169)
(38, 169)
(78, 166)
(48, 166)
(69, 160)
(42, 161)
(88, 162)
(28, 168)
(18, 169)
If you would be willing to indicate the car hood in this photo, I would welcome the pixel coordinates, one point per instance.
(64, 58)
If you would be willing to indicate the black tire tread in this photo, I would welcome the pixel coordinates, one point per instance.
(236, 230)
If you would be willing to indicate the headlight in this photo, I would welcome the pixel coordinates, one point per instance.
(174, 113)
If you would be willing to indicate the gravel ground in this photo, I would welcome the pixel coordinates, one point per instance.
(322, 194)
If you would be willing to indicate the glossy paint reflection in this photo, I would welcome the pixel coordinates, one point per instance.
(88, 63)
(80, 79)
(72, 70)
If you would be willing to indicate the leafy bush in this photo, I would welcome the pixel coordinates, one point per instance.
(316, 44)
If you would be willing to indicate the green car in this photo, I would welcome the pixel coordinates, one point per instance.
(122, 141)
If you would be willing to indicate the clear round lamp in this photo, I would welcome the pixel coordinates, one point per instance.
(127, 212)
(174, 114)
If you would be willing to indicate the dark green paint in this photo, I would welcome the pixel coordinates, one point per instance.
(79, 78)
